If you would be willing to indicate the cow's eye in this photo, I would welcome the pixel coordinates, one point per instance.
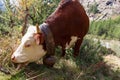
(27, 45)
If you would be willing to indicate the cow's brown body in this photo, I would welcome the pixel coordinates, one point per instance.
(69, 19)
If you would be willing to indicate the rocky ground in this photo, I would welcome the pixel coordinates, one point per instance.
(112, 60)
(105, 8)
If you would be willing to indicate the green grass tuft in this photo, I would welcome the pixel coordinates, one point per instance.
(107, 28)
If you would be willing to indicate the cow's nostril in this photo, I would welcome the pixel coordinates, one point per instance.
(13, 58)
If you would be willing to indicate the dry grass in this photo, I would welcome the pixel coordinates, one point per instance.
(8, 43)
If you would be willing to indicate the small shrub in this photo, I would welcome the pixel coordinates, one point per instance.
(90, 53)
(93, 8)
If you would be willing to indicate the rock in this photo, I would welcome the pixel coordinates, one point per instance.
(110, 2)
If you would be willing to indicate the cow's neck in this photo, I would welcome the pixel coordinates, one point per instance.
(49, 40)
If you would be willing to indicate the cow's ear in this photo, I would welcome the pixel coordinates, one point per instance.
(39, 38)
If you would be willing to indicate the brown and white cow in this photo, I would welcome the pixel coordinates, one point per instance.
(66, 25)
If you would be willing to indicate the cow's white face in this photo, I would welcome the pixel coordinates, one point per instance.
(30, 49)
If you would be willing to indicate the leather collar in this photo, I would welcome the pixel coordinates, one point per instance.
(49, 40)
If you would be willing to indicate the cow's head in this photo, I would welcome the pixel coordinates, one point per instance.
(31, 46)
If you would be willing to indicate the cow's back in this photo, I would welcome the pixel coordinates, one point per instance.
(69, 19)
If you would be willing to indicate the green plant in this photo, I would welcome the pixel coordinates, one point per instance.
(93, 8)
(90, 53)
(107, 28)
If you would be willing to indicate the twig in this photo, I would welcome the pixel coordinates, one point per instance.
(4, 70)
(31, 78)
(80, 74)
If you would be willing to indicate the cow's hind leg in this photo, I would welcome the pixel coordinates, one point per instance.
(63, 51)
(77, 47)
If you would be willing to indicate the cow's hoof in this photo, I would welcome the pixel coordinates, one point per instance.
(49, 61)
